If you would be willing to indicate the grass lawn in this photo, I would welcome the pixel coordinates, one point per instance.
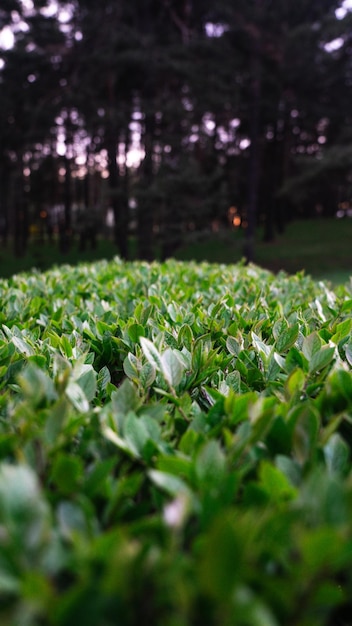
(44, 255)
(322, 248)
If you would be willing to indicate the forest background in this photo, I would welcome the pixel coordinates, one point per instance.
(159, 119)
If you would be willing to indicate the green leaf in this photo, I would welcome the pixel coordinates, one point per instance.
(221, 558)
(287, 338)
(19, 491)
(23, 346)
(151, 353)
(185, 336)
(348, 351)
(72, 520)
(295, 383)
(342, 331)
(172, 367)
(279, 327)
(97, 475)
(85, 376)
(336, 395)
(261, 347)
(289, 468)
(233, 380)
(306, 424)
(131, 366)
(24, 513)
(295, 359)
(77, 397)
(56, 420)
(323, 500)
(9, 584)
(125, 398)
(135, 331)
(36, 385)
(135, 433)
(118, 441)
(337, 455)
(321, 358)
(173, 485)
(210, 464)
(176, 465)
(275, 482)
(66, 347)
(147, 375)
(104, 378)
(323, 548)
(232, 346)
(311, 344)
(67, 472)
(174, 312)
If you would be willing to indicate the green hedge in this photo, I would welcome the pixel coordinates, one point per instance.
(175, 447)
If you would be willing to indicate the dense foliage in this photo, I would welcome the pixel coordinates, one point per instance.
(219, 102)
(175, 444)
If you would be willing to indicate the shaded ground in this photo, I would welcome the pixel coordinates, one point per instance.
(322, 248)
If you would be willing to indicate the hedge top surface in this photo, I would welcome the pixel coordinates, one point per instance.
(175, 445)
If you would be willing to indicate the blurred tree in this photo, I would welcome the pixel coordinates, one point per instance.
(29, 84)
(101, 84)
(321, 127)
(214, 94)
(286, 75)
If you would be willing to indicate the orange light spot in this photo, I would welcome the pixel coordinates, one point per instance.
(236, 221)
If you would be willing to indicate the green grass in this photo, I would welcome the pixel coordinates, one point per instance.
(44, 255)
(322, 248)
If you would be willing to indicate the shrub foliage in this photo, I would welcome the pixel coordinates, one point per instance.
(175, 447)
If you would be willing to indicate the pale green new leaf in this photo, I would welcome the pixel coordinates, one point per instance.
(151, 353)
(173, 485)
(261, 347)
(172, 367)
(23, 346)
(77, 397)
(348, 351)
(85, 376)
(337, 454)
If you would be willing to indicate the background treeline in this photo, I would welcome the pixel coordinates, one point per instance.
(167, 117)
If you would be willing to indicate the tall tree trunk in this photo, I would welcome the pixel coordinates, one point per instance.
(4, 192)
(20, 225)
(254, 161)
(125, 204)
(87, 191)
(120, 230)
(273, 177)
(112, 140)
(145, 204)
(65, 221)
